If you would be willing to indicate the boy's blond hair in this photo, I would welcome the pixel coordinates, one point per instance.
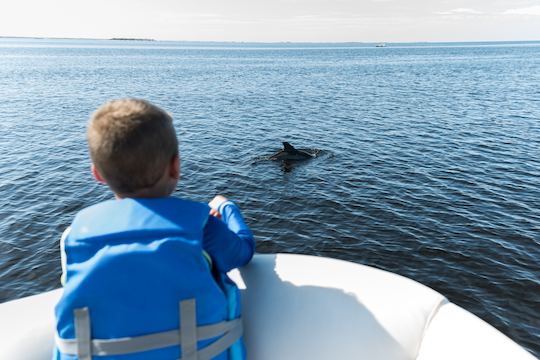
(131, 144)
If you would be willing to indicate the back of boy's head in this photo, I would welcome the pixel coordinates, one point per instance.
(131, 144)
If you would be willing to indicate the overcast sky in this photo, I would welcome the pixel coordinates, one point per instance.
(275, 20)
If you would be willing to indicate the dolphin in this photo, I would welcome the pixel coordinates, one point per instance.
(289, 153)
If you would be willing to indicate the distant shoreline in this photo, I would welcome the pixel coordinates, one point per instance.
(129, 39)
(387, 43)
(69, 38)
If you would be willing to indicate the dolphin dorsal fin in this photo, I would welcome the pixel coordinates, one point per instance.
(288, 147)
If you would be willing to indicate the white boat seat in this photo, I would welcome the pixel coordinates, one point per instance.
(306, 307)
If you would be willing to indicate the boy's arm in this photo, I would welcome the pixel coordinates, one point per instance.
(228, 241)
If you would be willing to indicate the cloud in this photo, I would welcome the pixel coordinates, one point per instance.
(460, 11)
(533, 10)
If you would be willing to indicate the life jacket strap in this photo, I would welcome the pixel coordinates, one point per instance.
(186, 337)
(188, 329)
(82, 332)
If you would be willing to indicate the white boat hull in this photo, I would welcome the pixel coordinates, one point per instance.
(305, 307)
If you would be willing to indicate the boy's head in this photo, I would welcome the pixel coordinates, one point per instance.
(134, 149)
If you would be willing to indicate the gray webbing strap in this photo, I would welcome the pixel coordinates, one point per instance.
(188, 329)
(82, 333)
(228, 331)
(126, 345)
(222, 343)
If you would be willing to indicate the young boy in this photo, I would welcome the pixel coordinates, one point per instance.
(145, 274)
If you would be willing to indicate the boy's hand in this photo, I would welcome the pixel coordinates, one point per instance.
(214, 205)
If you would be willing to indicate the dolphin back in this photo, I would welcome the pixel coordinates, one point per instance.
(290, 153)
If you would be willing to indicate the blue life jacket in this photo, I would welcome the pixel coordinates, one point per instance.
(139, 287)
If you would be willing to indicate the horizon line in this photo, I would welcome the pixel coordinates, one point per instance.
(124, 38)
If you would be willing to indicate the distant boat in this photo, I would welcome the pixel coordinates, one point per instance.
(380, 45)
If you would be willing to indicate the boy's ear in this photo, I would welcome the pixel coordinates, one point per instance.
(175, 167)
(97, 175)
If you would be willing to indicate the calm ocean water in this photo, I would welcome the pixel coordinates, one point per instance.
(430, 165)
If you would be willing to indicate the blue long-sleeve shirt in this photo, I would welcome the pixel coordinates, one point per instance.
(229, 241)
